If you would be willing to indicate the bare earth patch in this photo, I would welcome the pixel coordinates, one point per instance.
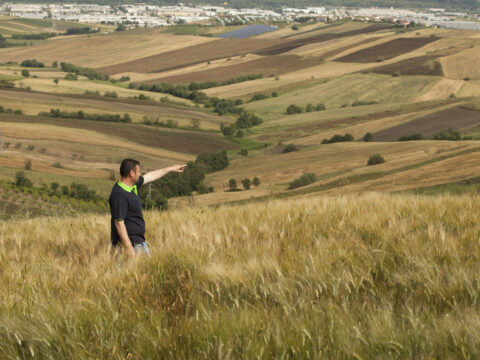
(456, 118)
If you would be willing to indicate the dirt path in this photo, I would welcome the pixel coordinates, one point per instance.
(442, 90)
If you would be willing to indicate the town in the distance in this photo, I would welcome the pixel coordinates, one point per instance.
(145, 15)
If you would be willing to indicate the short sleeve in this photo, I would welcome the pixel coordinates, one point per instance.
(119, 207)
(140, 182)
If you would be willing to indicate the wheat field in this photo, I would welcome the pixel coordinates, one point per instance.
(356, 276)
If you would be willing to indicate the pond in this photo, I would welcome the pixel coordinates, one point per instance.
(248, 31)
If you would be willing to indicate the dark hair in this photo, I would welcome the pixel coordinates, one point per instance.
(127, 166)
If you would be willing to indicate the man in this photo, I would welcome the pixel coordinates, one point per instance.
(127, 224)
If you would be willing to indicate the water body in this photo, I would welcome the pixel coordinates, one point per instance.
(248, 31)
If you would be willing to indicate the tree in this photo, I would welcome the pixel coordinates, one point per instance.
(294, 109)
(290, 148)
(22, 180)
(28, 164)
(368, 137)
(25, 73)
(256, 181)
(375, 159)
(55, 64)
(232, 184)
(309, 108)
(246, 183)
(56, 81)
(54, 186)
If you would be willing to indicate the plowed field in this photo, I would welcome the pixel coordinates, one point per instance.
(295, 43)
(273, 65)
(456, 118)
(387, 50)
(190, 56)
(420, 65)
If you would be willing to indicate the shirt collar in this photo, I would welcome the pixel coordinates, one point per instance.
(128, 188)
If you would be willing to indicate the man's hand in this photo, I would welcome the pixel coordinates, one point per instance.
(124, 239)
(157, 174)
(178, 168)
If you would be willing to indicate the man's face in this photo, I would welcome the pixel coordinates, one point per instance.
(135, 174)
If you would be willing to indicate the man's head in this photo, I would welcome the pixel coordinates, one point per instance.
(130, 168)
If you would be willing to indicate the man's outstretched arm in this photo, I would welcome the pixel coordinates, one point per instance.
(157, 174)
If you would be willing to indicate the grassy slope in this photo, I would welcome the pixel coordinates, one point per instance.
(370, 276)
(346, 90)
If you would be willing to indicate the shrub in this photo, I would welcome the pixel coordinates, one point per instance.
(411, 137)
(294, 27)
(368, 137)
(303, 180)
(28, 164)
(256, 181)
(362, 103)
(338, 138)
(258, 97)
(22, 180)
(111, 94)
(25, 73)
(321, 107)
(375, 159)
(18, 112)
(18, 145)
(309, 108)
(243, 152)
(32, 63)
(30, 147)
(71, 77)
(57, 165)
(448, 134)
(274, 94)
(294, 109)
(232, 184)
(246, 183)
(290, 148)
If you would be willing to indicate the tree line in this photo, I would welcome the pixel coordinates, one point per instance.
(183, 184)
(57, 113)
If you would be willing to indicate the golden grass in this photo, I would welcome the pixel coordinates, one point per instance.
(442, 90)
(45, 84)
(469, 88)
(33, 103)
(279, 169)
(462, 65)
(446, 171)
(353, 276)
(103, 49)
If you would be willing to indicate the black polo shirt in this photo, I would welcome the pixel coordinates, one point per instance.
(126, 205)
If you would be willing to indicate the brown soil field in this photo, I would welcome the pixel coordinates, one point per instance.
(420, 65)
(387, 50)
(289, 45)
(456, 118)
(349, 46)
(268, 66)
(191, 55)
(189, 142)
